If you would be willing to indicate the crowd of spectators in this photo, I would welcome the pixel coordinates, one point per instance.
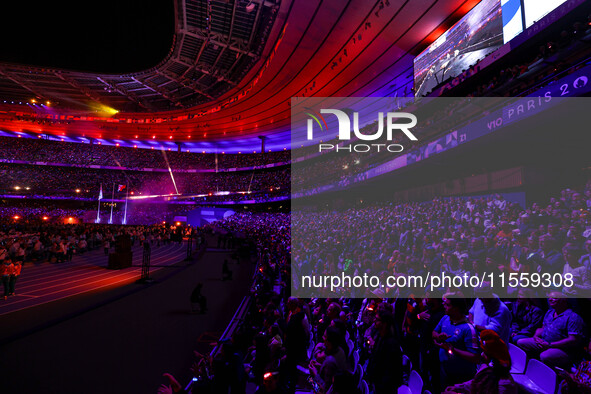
(456, 235)
(43, 212)
(41, 150)
(37, 212)
(86, 182)
(458, 343)
(59, 243)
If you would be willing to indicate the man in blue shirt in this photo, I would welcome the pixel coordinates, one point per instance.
(558, 342)
(458, 342)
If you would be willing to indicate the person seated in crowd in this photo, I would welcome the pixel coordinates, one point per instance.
(477, 250)
(556, 233)
(458, 342)
(369, 316)
(384, 369)
(586, 258)
(494, 375)
(297, 337)
(551, 259)
(431, 261)
(325, 319)
(344, 383)
(333, 360)
(574, 235)
(461, 250)
(559, 341)
(489, 313)
(506, 231)
(82, 246)
(428, 319)
(577, 382)
(319, 350)
(581, 275)
(452, 264)
(230, 375)
(525, 224)
(527, 317)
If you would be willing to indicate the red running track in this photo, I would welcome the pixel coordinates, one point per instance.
(42, 283)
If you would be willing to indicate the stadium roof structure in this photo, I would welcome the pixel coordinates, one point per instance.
(231, 72)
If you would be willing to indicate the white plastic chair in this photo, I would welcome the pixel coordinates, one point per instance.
(415, 383)
(310, 349)
(539, 378)
(518, 359)
(351, 346)
(362, 373)
(404, 390)
(355, 358)
(364, 387)
(406, 363)
(358, 374)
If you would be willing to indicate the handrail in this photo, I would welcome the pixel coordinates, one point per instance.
(237, 319)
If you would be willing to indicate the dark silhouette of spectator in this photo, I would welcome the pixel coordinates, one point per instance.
(527, 317)
(226, 271)
(384, 369)
(198, 299)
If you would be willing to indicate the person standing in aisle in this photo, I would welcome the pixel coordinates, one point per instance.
(7, 270)
(13, 278)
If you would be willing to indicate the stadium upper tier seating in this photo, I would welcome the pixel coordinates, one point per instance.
(35, 150)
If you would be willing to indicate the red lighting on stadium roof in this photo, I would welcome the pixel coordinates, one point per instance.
(258, 102)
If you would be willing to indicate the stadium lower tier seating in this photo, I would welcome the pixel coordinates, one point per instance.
(463, 342)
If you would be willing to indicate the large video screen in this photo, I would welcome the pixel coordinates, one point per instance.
(512, 19)
(476, 35)
(518, 12)
(537, 9)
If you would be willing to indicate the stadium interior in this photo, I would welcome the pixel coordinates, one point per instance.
(171, 172)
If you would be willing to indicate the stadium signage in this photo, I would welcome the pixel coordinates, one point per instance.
(392, 124)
